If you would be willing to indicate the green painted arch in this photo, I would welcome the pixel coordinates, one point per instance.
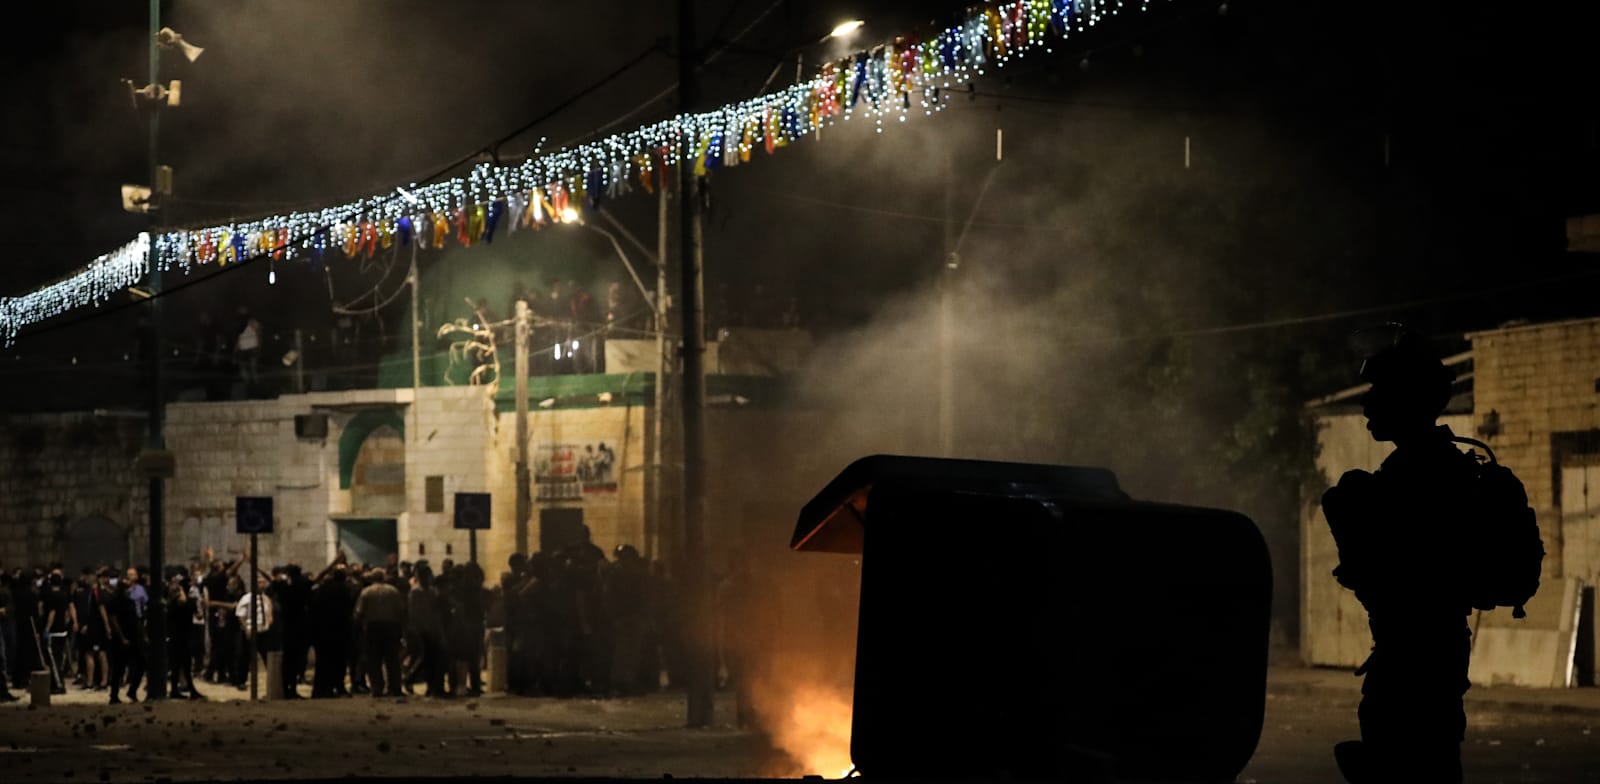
(355, 434)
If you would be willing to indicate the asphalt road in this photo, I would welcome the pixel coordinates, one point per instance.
(1507, 744)
(636, 738)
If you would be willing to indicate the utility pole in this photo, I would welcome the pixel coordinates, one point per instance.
(416, 324)
(416, 352)
(946, 362)
(524, 492)
(155, 441)
(663, 363)
(947, 290)
(696, 581)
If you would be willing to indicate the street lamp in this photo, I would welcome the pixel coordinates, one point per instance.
(844, 29)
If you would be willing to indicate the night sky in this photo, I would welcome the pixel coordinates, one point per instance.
(1349, 164)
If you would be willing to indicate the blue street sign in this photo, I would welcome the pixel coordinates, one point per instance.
(472, 511)
(253, 515)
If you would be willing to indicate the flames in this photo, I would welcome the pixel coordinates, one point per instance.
(789, 637)
(813, 730)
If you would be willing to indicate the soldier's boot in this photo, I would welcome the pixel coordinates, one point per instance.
(1353, 762)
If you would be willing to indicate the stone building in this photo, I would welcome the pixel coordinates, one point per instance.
(374, 472)
(1531, 393)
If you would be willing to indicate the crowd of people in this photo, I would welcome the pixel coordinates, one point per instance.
(573, 623)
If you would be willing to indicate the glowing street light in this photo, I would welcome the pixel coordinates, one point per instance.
(844, 29)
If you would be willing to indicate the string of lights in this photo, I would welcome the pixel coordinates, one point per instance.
(892, 81)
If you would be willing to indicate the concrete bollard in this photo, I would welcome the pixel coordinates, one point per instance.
(499, 669)
(272, 684)
(39, 688)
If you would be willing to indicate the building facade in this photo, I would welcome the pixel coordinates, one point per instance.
(375, 472)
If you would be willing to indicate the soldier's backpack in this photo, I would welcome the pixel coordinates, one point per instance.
(1501, 550)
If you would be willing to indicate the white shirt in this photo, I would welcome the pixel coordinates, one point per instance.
(263, 614)
(250, 336)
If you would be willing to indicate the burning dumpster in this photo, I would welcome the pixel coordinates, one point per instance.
(1033, 621)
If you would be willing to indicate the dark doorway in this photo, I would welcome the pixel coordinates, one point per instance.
(559, 528)
(369, 541)
(95, 541)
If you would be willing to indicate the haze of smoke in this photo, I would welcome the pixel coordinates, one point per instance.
(1045, 368)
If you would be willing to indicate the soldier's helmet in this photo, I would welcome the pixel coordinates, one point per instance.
(1407, 367)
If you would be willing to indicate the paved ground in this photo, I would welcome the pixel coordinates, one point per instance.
(1515, 735)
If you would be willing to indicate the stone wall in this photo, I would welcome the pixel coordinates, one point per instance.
(58, 469)
(452, 434)
(613, 511)
(762, 465)
(1538, 388)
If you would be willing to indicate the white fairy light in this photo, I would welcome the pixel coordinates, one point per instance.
(895, 78)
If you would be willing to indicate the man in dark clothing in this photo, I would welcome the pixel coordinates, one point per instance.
(128, 641)
(293, 594)
(626, 590)
(465, 629)
(218, 604)
(330, 609)
(7, 637)
(1400, 551)
(425, 619)
(94, 627)
(182, 603)
(59, 622)
(381, 611)
(23, 655)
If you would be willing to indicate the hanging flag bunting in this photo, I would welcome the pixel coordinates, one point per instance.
(881, 81)
(441, 229)
(497, 210)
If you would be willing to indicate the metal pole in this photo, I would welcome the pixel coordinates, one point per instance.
(696, 582)
(255, 609)
(416, 353)
(472, 545)
(416, 327)
(524, 492)
(663, 366)
(947, 285)
(946, 364)
(155, 611)
(299, 361)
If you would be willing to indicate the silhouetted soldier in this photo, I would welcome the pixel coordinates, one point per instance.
(1399, 532)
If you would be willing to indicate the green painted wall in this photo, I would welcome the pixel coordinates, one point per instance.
(355, 434)
(534, 258)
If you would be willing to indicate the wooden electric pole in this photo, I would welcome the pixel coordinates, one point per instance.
(524, 490)
(697, 587)
(155, 440)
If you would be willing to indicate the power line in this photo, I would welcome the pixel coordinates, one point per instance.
(906, 215)
(1290, 321)
(492, 147)
(670, 89)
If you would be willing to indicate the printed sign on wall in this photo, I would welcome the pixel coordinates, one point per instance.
(573, 472)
